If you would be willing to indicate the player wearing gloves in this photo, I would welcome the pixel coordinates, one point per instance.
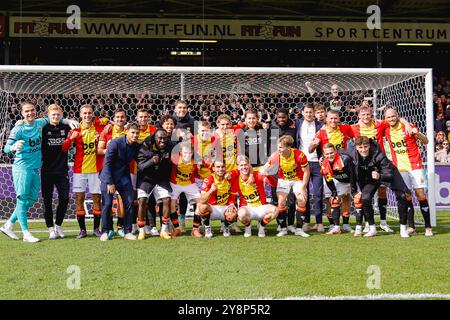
(26, 141)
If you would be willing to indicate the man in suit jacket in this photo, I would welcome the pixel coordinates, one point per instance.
(306, 132)
(115, 176)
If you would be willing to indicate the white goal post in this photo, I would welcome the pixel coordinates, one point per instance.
(215, 90)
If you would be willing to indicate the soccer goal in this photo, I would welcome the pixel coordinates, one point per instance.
(210, 91)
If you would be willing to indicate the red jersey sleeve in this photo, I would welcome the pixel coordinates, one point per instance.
(207, 183)
(68, 143)
(152, 129)
(347, 130)
(232, 198)
(300, 158)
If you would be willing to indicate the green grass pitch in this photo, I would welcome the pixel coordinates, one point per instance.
(225, 268)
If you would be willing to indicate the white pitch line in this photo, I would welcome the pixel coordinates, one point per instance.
(370, 297)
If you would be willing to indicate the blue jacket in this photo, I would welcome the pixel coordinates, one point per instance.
(299, 124)
(116, 168)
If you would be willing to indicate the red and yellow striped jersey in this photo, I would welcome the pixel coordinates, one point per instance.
(222, 196)
(289, 168)
(226, 146)
(374, 131)
(106, 137)
(251, 194)
(205, 150)
(337, 137)
(404, 149)
(86, 159)
(183, 173)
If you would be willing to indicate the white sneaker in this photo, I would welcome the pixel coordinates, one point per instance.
(358, 231)
(291, 229)
(134, 229)
(226, 232)
(330, 227)
(52, 234)
(403, 232)
(104, 237)
(320, 227)
(147, 230)
(366, 228)
(248, 231)
(371, 233)
(154, 232)
(7, 229)
(278, 228)
(234, 227)
(59, 232)
(28, 237)
(300, 232)
(386, 228)
(428, 232)
(334, 230)
(130, 236)
(261, 231)
(208, 232)
(347, 228)
(283, 232)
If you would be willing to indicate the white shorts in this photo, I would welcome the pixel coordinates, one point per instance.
(341, 188)
(414, 179)
(218, 213)
(133, 180)
(286, 185)
(158, 192)
(257, 213)
(191, 191)
(83, 180)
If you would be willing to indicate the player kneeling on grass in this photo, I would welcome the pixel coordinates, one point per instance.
(115, 175)
(217, 202)
(337, 169)
(252, 199)
(293, 173)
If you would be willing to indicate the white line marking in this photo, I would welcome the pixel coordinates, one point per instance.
(370, 296)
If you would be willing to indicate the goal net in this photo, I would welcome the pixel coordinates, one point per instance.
(209, 92)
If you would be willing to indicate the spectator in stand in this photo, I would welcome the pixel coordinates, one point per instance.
(439, 123)
(440, 137)
(442, 154)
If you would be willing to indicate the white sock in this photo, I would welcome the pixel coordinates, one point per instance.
(165, 228)
(358, 228)
(383, 222)
(8, 224)
(26, 233)
(51, 229)
(403, 228)
(372, 228)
